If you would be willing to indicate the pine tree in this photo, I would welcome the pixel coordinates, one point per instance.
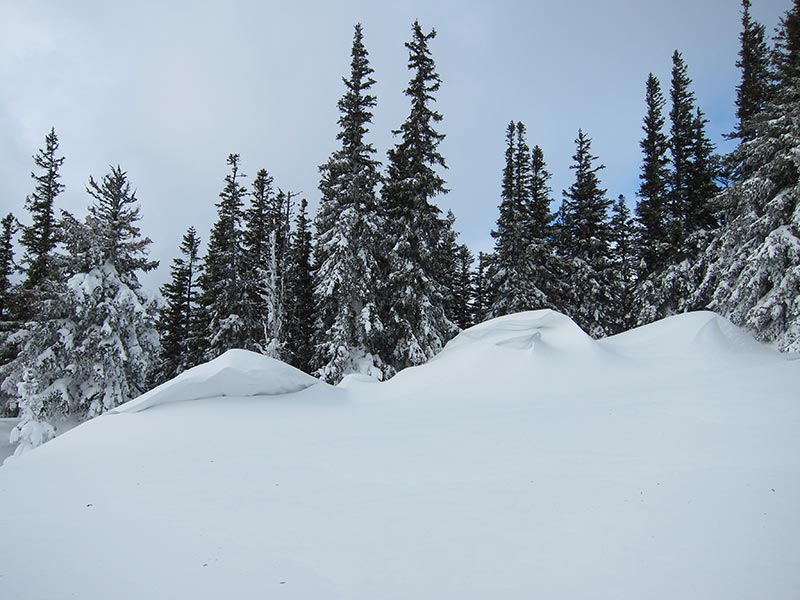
(177, 319)
(651, 211)
(623, 259)
(463, 292)
(482, 294)
(753, 91)
(585, 242)
(416, 323)
(681, 144)
(300, 295)
(94, 346)
(699, 217)
(223, 302)
(261, 241)
(347, 249)
(41, 237)
(751, 271)
(7, 267)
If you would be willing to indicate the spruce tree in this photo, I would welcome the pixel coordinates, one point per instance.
(40, 238)
(681, 145)
(416, 324)
(223, 301)
(300, 295)
(753, 91)
(623, 259)
(177, 321)
(482, 294)
(751, 271)
(699, 217)
(94, 348)
(7, 267)
(349, 226)
(585, 243)
(651, 210)
(462, 286)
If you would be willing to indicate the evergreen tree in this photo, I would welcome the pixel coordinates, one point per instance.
(416, 323)
(177, 319)
(585, 242)
(699, 217)
(93, 349)
(462, 286)
(651, 211)
(751, 271)
(753, 91)
(222, 283)
(300, 295)
(623, 259)
(347, 249)
(7, 267)
(262, 239)
(40, 238)
(681, 144)
(483, 300)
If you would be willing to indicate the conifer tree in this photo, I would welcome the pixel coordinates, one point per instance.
(753, 91)
(7, 267)
(463, 292)
(751, 271)
(651, 211)
(585, 243)
(261, 240)
(177, 321)
(699, 217)
(416, 324)
(681, 145)
(300, 295)
(94, 348)
(347, 249)
(223, 301)
(623, 259)
(482, 300)
(40, 238)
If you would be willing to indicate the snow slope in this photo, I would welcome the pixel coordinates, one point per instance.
(525, 461)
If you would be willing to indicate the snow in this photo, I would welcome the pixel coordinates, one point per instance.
(525, 461)
(235, 373)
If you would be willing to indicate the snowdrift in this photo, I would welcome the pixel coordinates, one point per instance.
(526, 461)
(235, 373)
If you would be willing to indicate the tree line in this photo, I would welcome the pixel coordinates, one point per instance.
(378, 280)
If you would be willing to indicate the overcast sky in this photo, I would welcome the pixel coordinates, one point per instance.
(168, 89)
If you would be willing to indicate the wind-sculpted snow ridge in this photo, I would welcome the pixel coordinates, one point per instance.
(702, 333)
(235, 373)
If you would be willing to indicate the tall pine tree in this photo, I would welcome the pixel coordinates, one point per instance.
(417, 326)
(347, 249)
(754, 90)
(585, 243)
(177, 321)
(223, 304)
(300, 295)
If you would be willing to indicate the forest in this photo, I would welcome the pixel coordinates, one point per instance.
(377, 280)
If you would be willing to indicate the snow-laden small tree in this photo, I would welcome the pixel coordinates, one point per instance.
(94, 347)
(349, 266)
(623, 259)
(177, 319)
(416, 325)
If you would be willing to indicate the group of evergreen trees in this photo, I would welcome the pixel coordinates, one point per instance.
(381, 283)
(709, 232)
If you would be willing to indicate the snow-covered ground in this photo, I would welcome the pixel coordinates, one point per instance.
(525, 461)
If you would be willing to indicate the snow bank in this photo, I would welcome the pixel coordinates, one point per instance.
(235, 373)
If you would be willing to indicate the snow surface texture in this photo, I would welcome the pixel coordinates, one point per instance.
(525, 461)
(236, 373)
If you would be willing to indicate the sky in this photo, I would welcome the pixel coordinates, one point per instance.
(167, 90)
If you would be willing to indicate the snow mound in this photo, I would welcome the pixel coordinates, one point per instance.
(695, 333)
(235, 373)
(536, 330)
